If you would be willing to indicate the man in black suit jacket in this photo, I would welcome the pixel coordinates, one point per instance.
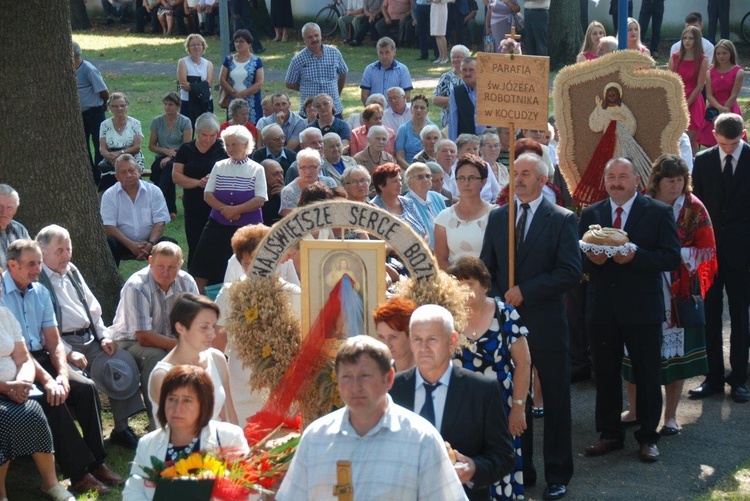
(726, 195)
(548, 263)
(625, 304)
(466, 408)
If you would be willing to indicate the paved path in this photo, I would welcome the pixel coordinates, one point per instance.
(716, 432)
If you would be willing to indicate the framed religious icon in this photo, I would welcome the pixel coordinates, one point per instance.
(343, 280)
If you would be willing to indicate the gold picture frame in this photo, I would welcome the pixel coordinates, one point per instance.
(322, 263)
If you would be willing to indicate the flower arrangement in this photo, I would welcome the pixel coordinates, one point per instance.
(510, 46)
(223, 474)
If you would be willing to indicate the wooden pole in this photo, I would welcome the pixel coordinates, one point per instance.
(511, 189)
(511, 208)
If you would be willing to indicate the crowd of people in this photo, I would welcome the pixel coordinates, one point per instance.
(166, 350)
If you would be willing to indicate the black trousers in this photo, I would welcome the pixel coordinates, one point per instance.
(76, 455)
(162, 177)
(718, 13)
(426, 42)
(580, 358)
(553, 369)
(144, 17)
(120, 252)
(92, 119)
(643, 342)
(652, 10)
(242, 19)
(737, 284)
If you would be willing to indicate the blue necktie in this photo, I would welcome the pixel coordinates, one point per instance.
(428, 409)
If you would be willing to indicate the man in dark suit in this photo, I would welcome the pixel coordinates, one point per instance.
(625, 304)
(548, 263)
(721, 180)
(465, 407)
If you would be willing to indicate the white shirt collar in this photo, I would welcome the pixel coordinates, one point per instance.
(444, 379)
(625, 207)
(735, 155)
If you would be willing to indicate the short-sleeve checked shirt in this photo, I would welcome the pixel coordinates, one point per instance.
(32, 308)
(317, 75)
(14, 231)
(145, 307)
(402, 457)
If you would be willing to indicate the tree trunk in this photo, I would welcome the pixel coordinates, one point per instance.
(79, 18)
(41, 130)
(565, 32)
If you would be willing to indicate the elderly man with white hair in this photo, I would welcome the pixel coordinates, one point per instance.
(606, 45)
(10, 230)
(309, 138)
(310, 164)
(87, 340)
(317, 69)
(274, 149)
(398, 111)
(334, 162)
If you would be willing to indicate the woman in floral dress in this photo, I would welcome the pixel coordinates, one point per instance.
(497, 347)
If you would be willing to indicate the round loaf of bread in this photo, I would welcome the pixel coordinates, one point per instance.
(605, 236)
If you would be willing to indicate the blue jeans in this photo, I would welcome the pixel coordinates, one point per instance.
(535, 31)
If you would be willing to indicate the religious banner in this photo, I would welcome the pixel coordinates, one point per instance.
(512, 89)
(360, 267)
(618, 105)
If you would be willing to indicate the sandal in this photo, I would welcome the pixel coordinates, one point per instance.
(537, 412)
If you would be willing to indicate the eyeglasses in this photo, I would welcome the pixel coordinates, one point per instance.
(200, 45)
(360, 182)
(240, 41)
(323, 104)
(307, 167)
(420, 177)
(471, 179)
(277, 138)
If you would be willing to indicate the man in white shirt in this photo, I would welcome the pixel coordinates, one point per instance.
(87, 340)
(399, 111)
(695, 19)
(134, 213)
(393, 453)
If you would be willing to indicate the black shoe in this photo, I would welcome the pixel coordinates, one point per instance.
(706, 390)
(740, 394)
(355, 43)
(125, 438)
(422, 58)
(554, 491)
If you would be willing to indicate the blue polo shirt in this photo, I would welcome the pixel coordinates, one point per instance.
(32, 308)
(378, 80)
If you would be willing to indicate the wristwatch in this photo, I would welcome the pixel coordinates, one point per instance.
(519, 402)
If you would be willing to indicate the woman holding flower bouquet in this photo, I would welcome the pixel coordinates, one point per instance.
(193, 322)
(186, 403)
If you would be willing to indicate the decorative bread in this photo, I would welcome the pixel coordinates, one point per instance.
(605, 236)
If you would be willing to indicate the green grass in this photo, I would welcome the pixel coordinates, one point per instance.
(733, 487)
(118, 45)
